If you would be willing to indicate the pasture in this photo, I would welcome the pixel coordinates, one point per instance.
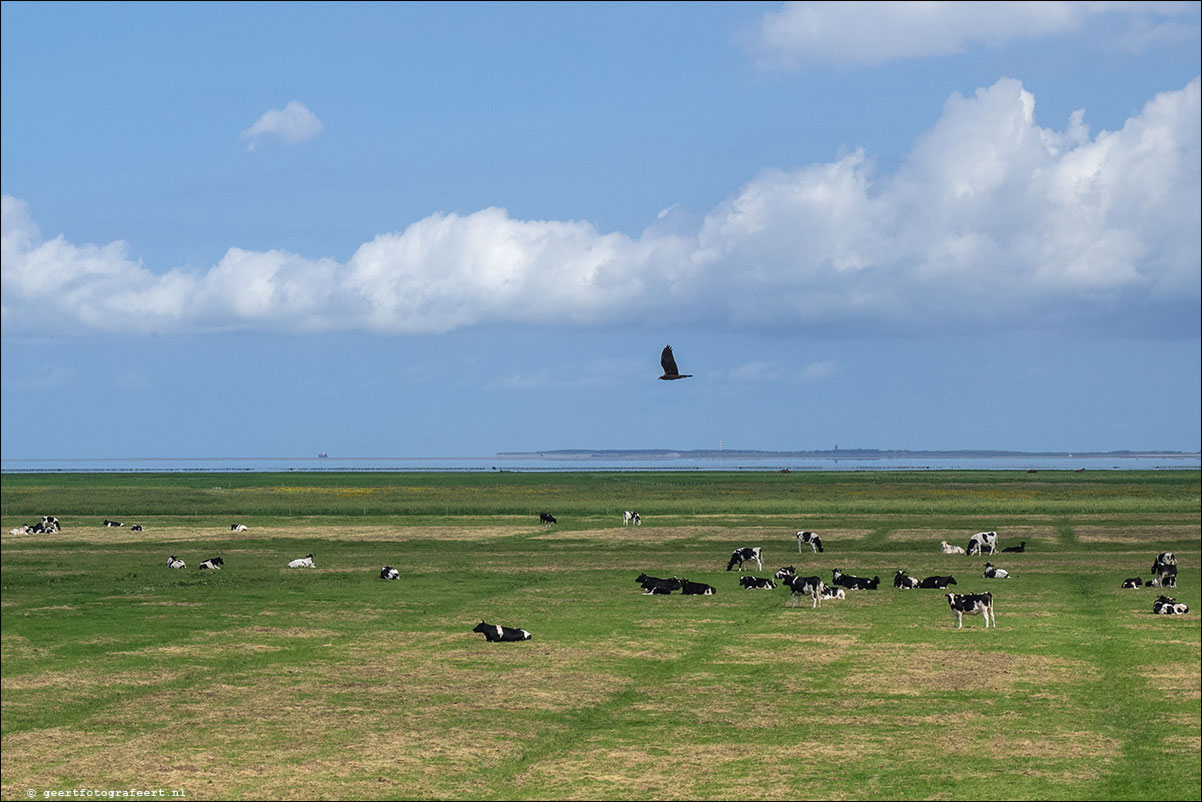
(257, 681)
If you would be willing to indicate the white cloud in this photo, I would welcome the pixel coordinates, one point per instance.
(292, 124)
(873, 33)
(991, 221)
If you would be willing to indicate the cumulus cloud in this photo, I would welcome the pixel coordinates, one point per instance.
(873, 33)
(991, 221)
(292, 124)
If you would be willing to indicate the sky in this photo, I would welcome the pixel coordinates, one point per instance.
(265, 230)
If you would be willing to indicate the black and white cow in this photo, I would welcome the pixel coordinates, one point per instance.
(665, 585)
(786, 572)
(238, 527)
(829, 593)
(546, 519)
(1019, 549)
(937, 582)
(174, 563)
(1132, 583)
(303, 562)
(1167, 606)
(388, 572)
(746, 554)
(755, 583)
(900, 580)
(982, 541)
(212, 564)
(993, 572)
(48, 525)
(948, 548)
(25, 529)
(494, 633)
(107, 522)
(696, 588)
(854, 582)
(632, 517)
(963, 604)
(811, 538)
(806, 586)
(1165, 570)
(136, 528)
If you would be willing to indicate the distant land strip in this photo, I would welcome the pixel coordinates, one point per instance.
(837, 453)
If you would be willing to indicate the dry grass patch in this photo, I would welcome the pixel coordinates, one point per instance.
(918, 669)
(1142, 536)
(1010, 536)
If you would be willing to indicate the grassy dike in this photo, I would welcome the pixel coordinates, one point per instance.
(263, 682)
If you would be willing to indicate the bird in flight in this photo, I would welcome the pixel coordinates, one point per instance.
(670, 370)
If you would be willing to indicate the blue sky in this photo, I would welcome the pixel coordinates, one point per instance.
(452, 230)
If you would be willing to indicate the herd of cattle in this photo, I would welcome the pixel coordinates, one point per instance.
(1164, 574)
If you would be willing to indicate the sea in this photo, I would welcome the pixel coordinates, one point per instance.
(536, 464)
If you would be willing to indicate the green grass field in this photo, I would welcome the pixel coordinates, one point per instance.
(263, 682)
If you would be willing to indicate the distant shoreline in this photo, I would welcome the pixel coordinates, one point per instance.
(835, 454)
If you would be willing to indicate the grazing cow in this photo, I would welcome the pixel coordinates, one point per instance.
(755, 583)
(47, 525)
(993, 572)
(546, 519)
(937, 582)
(745, 554)
(854, 582)
(978, 543)
(1019, 549)
(833, 593)
(811, 538)
(806, 586)
(494, 633)
(972, 604)
(107, 522)
(900, 580)
(238, 527)
(174, 563)
(136, 528)
(948, 548)
(631, 517)
(1131, 584)
(696, 588)
(388, 572)
(1165, 569)
(1168, 606)
(303, 562)
(786, 572)
(212, 564)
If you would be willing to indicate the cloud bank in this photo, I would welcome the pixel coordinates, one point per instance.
(873, 33)
(290, 125)
(991, 222)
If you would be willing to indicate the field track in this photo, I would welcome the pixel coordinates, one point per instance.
(258, 681)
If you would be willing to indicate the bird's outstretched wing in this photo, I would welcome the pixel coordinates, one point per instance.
(668, 362)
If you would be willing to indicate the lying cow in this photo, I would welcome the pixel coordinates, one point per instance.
(663, 586)
(238, 527)
(212, 564)
(746, 554)
(1019, 549)
(1167, 606)
(696, 588)
(1132, 583)
(854, 582)
(174, 563)
(978, 543)
(811, 538)
(806, 586)
(388, 572)
(494, 633)
(136, 528)
(786, 572)
(48, 525)
(755, 583)
(903, 582)
(829, 593)
(22, 530)
(993, 572)
(963, 604)
(109, 523)
(948, 548)
(303, 562)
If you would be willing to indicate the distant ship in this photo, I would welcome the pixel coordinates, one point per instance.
(322, 455)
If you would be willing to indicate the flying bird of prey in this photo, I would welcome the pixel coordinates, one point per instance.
(670, 370)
